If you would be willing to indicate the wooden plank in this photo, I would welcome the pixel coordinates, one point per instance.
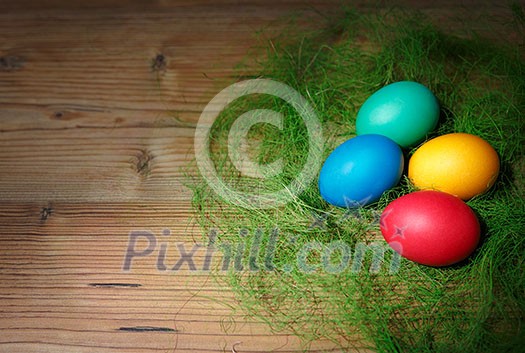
(95, 164)
(97, 108)
(105, 60)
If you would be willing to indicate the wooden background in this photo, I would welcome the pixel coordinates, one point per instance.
(98, 100)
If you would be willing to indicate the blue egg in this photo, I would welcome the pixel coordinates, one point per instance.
(404, 111)
(359, 170)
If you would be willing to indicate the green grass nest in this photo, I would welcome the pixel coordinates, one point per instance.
(475, 306)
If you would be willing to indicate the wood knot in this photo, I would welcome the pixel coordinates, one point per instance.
(159, 63)
(45, 213)
(59, 115)
(143, 163)
(62, 115)
(11, 63)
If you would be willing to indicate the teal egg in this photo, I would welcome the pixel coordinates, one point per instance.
(404, 111)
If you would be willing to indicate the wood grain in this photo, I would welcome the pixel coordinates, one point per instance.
(97, 104)
(98, 101)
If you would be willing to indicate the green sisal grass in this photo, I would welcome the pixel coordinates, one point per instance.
(475, 306)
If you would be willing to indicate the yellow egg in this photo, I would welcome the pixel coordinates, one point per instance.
(460, 164)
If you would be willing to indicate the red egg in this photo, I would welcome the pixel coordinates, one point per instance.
(430, 227)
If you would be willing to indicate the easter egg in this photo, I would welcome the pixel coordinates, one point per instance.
(404, 111)
(461, 164)
(430, 227)
(359, 170)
